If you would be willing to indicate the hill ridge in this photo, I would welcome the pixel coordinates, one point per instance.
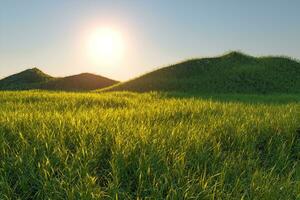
(25, 79)
(34, 78)
(233, 72)
(79, 82)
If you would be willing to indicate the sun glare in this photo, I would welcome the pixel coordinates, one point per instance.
(105, 46)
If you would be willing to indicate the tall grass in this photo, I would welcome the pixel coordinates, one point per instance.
(146, 146)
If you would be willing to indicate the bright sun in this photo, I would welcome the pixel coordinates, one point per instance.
(105, 46)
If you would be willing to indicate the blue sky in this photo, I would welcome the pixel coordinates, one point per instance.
(51, 34)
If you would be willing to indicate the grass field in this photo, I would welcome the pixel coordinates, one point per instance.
(148, 146)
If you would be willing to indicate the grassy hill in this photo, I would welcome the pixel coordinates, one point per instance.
(28, 79)
(231, 73)
(36, 79)
(79, 82)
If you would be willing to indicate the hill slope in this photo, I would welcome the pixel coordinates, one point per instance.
(231, 73)
(30, 78)
(78, 82)
(36, 79)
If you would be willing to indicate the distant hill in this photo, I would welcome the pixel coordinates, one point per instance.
(79, 82)
(30, 78)
(234, 72)
(36, 79)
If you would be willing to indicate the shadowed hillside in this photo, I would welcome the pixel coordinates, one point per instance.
(30, 78)
(231, 73)
(79, 82)
(36, 79)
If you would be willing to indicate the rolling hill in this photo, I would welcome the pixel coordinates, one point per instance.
(84, 81)
(28, 79)
(36, 79)
(234, 72)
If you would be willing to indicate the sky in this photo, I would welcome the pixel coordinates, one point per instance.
(52, 34)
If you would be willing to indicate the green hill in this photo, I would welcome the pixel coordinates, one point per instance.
(234, 72)
(36, 79)
(28, 79)
(79, 82)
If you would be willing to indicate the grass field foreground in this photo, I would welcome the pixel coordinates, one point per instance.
(148, 146)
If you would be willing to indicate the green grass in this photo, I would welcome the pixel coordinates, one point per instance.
(148, 146)
(231, 73)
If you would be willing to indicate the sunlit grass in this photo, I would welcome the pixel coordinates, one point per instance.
(153, 145)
